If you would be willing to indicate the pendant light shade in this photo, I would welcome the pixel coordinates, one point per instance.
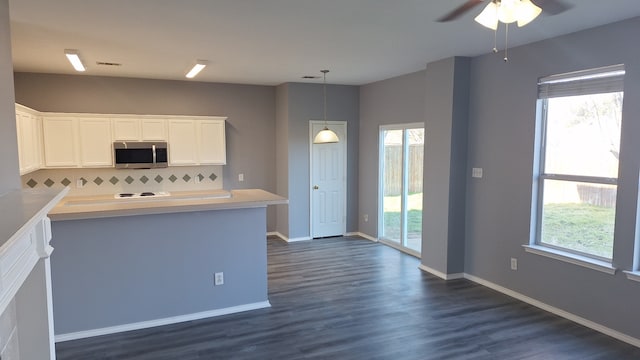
(325, 136)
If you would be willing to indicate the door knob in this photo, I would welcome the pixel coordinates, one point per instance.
(316, 187)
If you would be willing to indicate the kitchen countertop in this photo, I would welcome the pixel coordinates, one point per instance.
(22, 208)
(101, 206)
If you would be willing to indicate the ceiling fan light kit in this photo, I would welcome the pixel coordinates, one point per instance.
(507, 12)
(521, 12)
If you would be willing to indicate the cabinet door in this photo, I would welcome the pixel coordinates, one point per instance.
(21, 145)
(30, 146)
(211, 142)
(182, 142)
(126, 129)
(95, 142)
(154, 129)
(60, 149)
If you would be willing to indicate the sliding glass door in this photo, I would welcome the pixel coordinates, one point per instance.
(401, 161)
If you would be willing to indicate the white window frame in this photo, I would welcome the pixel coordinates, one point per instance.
(593, 81)
(403, 220)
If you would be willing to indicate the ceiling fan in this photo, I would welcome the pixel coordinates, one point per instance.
(550, 7)
(521, 12)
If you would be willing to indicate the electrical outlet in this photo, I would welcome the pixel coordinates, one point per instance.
(514, 264)
(218, 278)
(80, 183)
(240, 177)
(365, 217)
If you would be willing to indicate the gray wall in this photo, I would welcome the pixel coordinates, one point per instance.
(304, 103)
(501, 140)
(282, 157)
(10, 173)
(250, 110)
(399, 100)
(124, 270)
(446, 102)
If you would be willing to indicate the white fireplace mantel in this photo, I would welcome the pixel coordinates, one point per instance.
(25, 232)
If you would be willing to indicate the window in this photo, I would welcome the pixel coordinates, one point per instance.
(577, 173)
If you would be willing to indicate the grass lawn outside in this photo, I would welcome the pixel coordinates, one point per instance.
(392, 216)
(580, 227)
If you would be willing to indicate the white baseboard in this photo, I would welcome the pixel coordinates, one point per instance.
(160, 322)
(554, 310)
(305, 238)
(363, 235)
(440, 274)
(282, 236)
(277, 234)
(287, 239)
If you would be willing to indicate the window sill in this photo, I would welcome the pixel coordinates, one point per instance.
(583, 261)
(633, 275)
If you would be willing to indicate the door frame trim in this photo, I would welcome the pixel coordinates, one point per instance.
(345, 181)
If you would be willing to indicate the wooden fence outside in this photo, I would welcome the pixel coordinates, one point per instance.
(393, 169)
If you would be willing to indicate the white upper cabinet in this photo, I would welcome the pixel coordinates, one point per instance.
(133, 129)
(73, 141)
(182, 142)
(126, 129)
(29, 141)
(60, 136)
(61, 140)
(197, 142)
(95, 142)
(153, 129)
(211, 142)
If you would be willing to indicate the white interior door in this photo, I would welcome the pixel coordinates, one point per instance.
(328, 182)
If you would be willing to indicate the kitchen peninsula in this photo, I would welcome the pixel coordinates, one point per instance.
(127, 264)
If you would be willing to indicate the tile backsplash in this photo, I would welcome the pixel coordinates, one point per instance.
(112, 181)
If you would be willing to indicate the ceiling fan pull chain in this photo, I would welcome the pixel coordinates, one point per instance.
(506, 43)
(495, 40)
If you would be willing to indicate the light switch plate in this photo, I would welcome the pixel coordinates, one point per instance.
(476, 172)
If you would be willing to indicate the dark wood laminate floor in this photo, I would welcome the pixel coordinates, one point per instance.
(348, 298)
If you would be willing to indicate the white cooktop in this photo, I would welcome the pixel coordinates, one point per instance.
(146, 194)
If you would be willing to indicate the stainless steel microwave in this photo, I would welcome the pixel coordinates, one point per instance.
(140, 154)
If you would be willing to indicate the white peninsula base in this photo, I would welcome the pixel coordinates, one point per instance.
(26, 320)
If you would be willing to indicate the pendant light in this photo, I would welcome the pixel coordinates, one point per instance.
(325, 136)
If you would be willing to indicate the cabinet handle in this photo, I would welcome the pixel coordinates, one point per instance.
(316, 187)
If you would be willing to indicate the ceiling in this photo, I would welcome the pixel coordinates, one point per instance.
(269, 42)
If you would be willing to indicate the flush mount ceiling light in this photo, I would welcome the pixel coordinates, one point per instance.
(325, 136)
(200, 64)
(74, 59)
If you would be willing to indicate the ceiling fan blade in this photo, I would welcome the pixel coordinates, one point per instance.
(460, 10)
(553, 7)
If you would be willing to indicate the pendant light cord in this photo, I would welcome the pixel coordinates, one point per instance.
(324, 95)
